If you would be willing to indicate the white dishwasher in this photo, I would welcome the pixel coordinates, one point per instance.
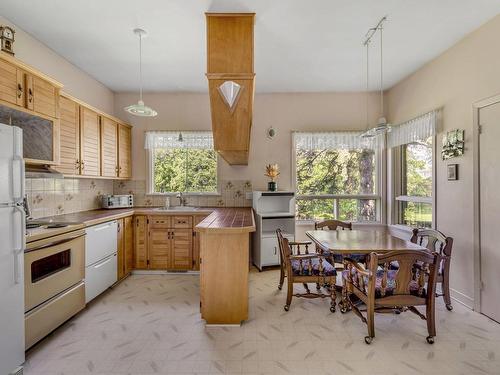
(100, 259)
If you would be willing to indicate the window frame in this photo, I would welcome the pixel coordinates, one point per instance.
(379, 187)
(150, 176)
(398, 168)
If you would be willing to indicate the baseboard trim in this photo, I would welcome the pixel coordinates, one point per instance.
(161, 272)
(461, 298)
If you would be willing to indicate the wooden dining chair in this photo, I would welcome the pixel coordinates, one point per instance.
(305, 246)
(436, 241)
(383, 289)
(337, 225)
(304, 267)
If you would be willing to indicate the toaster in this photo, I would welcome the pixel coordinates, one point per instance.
(117, 201)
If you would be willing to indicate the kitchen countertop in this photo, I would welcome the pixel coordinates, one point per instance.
(219, 219)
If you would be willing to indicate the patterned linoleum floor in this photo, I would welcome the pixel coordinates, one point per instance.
(151, 324)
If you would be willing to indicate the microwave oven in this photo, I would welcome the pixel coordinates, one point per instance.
(117, 201)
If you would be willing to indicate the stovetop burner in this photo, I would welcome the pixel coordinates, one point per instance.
(32, 225)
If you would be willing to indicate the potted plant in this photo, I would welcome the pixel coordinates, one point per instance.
(272, 171)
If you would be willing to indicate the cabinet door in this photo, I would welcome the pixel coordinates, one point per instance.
(124, 151)
(128, 228)
(159, 249)
(70, 137)
(120, 249)
(109, 147)
(11, 84)
(42, 96)
(182, 253)
(89, 142)
(196, 243)
(141, 242)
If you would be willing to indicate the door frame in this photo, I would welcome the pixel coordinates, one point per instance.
(477, 106)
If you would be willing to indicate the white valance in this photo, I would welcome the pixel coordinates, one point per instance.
(170, 139)
(417, 129)
(336, 140)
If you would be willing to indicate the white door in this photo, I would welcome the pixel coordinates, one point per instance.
(489, 175)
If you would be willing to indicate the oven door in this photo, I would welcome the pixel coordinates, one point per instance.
(51, 266)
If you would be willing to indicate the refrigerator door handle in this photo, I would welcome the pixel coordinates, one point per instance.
(19, 249)
(17, 178)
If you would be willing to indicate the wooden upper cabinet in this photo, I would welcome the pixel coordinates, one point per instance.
(70, 137)
(41, 96)
(90, 142)
(11, 84)
(124, 151)
(109, 148)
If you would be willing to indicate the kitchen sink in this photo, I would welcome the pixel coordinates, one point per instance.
(176, 208)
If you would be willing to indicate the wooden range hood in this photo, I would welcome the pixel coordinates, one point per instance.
(230, 70)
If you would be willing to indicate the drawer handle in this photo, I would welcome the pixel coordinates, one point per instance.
(30, 98)
(19, 90)
(103, 263)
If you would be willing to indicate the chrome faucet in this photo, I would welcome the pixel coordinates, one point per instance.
(182, 200)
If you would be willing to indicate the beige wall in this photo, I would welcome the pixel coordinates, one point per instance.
(285, 112)
(76, 82)
(462, 75)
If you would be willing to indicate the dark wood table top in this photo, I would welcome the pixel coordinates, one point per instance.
(359, 241)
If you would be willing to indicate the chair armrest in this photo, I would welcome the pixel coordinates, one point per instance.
(359, 267)
(307, 256)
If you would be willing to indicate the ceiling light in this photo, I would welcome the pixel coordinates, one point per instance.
(140, 109)
(382, 126)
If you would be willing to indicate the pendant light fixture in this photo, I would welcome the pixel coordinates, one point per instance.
(140, 109)
(382, 126)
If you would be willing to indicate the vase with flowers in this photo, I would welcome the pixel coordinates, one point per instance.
(272, 171)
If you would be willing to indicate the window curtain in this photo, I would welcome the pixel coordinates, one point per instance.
(336, 140)
(417, 129)
(170, 139)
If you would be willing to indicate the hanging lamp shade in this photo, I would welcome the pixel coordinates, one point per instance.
(140, 109)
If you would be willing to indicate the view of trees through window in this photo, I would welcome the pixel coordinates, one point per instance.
(337, 172)
(184, 169)
(417, 183)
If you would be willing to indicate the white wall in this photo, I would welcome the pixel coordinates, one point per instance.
(76, 82)
(285, 112)
(464, 74)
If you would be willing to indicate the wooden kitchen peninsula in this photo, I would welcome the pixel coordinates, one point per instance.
(225, 249)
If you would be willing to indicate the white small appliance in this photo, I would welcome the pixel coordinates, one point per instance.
(117, 201)
(12, 235)
(100, 258)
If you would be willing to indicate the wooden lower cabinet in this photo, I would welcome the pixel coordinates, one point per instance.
(165, 242)
(125, 246)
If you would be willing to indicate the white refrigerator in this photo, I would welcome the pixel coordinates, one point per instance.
(12, 244)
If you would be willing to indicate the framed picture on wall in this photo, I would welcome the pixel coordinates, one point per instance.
(452, 172)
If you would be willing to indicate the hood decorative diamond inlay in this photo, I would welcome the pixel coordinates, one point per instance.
(230, 92)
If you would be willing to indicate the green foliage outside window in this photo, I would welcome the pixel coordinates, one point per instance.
(184, 169)
(417, 182)
(337, 172)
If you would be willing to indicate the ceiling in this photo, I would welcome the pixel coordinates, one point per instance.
(300, 45)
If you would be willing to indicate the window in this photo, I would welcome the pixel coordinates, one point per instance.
(413, 143)
(415, 201)
(183, 162)
(336, 177)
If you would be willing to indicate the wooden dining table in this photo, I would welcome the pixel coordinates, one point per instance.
(359, 241)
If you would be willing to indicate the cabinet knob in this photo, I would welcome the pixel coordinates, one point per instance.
(30, 95)
(19, 90)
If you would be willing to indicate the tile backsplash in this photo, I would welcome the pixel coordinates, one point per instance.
(232, 194)
(48, 196)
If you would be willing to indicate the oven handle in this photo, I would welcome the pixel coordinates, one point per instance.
(55, 243)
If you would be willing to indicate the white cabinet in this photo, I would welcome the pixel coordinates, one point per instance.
(100, 276)
(273, 210)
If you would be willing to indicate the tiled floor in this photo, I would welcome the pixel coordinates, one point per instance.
(151, 324)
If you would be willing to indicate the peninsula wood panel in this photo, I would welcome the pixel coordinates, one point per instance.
(70, 137)
(10, 82)
(124, 151)
(159, 249)
(141, 242)
(181, 243)
(109, 148)
(90, 142)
